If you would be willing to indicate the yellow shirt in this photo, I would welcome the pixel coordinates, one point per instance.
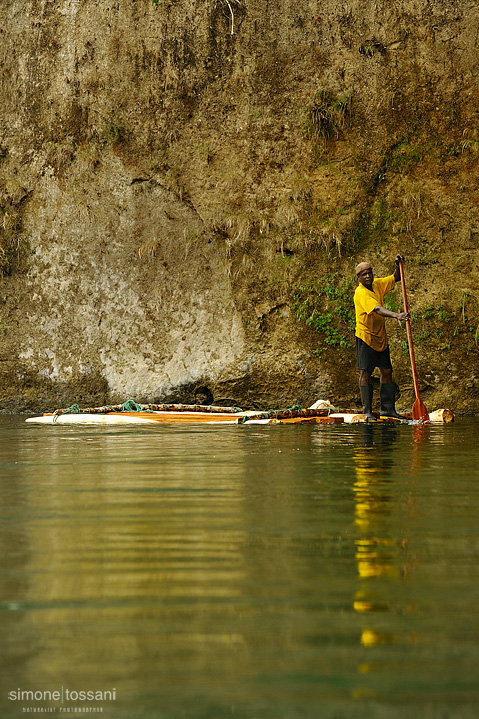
(370, 326)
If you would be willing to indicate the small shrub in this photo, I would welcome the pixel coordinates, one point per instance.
(14, 254)
(113, 133)
(326, 115)
(391, 302)
(327, 309)
(400, 159)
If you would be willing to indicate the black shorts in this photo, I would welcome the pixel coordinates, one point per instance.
(368, 358)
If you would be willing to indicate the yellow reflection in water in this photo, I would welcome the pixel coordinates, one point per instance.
(372, 638)
(376, 549)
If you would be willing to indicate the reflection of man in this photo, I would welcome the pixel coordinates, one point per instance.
(371, 339)
(376, 553)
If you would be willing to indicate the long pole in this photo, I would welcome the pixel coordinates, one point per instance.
(419, 410)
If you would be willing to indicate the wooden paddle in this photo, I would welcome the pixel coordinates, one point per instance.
(419, 411)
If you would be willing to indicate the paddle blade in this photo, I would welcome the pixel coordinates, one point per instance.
(419, 411)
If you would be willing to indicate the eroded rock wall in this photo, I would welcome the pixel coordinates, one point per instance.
(171, 171)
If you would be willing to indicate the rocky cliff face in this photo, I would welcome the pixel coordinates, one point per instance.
(186, 186)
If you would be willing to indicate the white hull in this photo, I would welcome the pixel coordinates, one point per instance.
(89, 419)
(250, 417)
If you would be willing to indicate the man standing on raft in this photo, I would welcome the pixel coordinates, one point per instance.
(371, 339)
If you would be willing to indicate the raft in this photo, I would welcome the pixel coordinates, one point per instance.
(321, 412)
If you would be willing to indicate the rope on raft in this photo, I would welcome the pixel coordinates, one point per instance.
(294, 411)
(74, 409)
(131, 406)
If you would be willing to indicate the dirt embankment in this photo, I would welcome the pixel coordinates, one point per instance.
(185, 188)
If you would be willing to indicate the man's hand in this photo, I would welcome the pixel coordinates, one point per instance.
(397, 271)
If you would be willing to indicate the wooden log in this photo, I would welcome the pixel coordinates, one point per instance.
(349, 417)
(190, 408)
(212, 417)
(356, 417)
(441, 415)
(326, 420)
(308, 420)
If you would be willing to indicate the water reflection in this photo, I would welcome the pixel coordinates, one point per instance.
(256, 572)
(376, 550)
(117, 549)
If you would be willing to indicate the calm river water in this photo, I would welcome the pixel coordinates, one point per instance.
(273, 572)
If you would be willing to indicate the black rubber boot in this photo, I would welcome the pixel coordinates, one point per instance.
(387, 394)
(367, 400)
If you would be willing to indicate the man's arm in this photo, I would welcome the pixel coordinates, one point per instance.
(389, 313)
